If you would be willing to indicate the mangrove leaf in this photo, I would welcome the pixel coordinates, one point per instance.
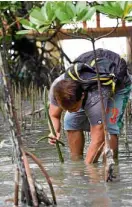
(48, 12)
(119, 9)
(36, 17)
(27, 25)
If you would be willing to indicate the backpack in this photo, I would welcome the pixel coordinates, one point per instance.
(112, 69)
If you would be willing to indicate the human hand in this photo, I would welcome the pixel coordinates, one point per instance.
(52, 139)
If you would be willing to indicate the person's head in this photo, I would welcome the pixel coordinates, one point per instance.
(69, 95)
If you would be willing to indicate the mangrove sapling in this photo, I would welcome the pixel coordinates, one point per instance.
(20, 102)
(29, 188)
(38, 162)
(51, 127)
(42, 138)
(29, 194)
(16, 190)
(14, 125)
(107, 150)
(32, 102)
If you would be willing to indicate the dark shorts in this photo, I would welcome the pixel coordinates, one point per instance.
(114, 107)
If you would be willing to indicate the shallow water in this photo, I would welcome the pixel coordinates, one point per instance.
(75, 184)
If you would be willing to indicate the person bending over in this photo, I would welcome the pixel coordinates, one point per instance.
(76, 92)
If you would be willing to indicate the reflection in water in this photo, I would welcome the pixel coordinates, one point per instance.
(75, 184)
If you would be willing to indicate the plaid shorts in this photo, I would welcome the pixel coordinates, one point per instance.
(92, 115)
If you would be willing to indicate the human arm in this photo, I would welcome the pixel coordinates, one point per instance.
(96, 145)
(55, 115)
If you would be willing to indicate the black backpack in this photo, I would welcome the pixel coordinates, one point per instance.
(112, 69)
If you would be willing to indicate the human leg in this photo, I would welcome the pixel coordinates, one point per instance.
(115, 111)
(96, 144)
(94, 112)
(74, 124)
(76, 143)
(114, 145)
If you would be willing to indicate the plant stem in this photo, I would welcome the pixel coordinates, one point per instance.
(51, 126)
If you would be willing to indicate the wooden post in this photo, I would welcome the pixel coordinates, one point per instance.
(129, 52)
(97, 19)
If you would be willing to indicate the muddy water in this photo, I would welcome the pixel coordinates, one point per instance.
(75, 184)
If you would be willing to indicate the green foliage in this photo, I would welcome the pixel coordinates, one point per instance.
(27, 25)
(40, 19)
(57, 13)
(48, 12)
(129, 19)
(36, 17)
(5, 5)
(115, 9)
(22, 32)
(65, 12)
(84, 12)
(52, 14)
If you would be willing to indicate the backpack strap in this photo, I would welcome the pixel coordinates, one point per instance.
(106, 79)
(112, 82)
(76, 72)
(93, 62)
(71, 75)
(73, 72)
